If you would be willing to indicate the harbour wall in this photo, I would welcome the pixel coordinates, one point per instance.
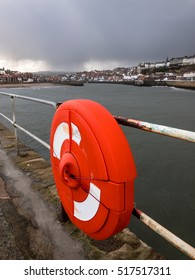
(152, 83)
(181, 84)
(125, 245)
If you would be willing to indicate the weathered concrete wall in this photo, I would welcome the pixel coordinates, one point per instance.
(181, 84)
(38, 173)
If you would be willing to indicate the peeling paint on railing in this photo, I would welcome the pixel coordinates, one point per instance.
(156, 128)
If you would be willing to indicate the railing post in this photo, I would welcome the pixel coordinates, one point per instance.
(14, 122)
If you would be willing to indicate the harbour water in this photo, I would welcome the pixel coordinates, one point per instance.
(165, 185)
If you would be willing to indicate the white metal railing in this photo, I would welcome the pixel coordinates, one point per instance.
(16, 125)
(155, 128)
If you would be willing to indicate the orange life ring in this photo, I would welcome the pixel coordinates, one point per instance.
(93, 168)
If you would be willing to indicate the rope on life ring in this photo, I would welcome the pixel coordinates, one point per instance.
(93, 168)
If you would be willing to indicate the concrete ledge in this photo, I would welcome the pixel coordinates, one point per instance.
(124, 245)
(181, 84)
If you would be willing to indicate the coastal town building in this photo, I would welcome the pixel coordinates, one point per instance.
(189, 60)
(189, 75)
(2, 71)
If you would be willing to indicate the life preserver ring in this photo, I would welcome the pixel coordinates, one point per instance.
(93, 168)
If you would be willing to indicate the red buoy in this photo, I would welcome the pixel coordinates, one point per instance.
(93, 168)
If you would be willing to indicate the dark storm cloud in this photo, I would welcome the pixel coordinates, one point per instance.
(68, 34)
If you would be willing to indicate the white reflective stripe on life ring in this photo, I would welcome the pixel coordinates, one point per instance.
(76, 136)
(88, 208)
(61, 134)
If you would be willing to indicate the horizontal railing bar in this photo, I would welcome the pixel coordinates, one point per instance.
(162, 231)
(27, 132)
(146, 126)
(46, 145)
(51, 103)
(5, 117)
(159, 129)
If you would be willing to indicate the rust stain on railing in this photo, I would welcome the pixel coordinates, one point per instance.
(156, 128)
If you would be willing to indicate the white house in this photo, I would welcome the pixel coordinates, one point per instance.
(189, 75)
(160, 64)
(189, 60)
(2, 71)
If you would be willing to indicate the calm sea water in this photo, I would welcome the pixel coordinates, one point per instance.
(165, 186)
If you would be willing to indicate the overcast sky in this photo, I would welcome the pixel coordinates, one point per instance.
(75, 35)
